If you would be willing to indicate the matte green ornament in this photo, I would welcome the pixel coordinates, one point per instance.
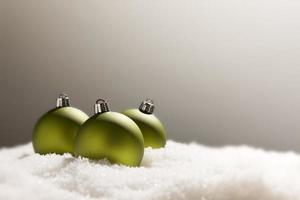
(56, 130)
(152, 129)
(110, 135)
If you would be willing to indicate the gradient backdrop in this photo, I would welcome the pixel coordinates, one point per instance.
(220, 72)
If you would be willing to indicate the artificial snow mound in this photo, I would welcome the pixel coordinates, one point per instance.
(177, 172)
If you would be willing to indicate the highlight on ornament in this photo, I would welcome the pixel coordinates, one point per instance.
(118, 137)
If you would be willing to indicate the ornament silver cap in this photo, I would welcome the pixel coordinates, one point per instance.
(63, 100)
(101, 106)
(147, 106)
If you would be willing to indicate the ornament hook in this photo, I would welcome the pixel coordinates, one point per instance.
(101, 106)
(147, 106)
(63, 100)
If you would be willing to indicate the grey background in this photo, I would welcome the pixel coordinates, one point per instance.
(220, 72)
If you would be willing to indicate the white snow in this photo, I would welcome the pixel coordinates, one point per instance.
(177, 172)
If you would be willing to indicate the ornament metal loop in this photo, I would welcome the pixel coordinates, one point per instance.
(101, 106)
(147, 106)
(63, 100)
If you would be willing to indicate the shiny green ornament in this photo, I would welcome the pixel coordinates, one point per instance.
(56, 130)
(110, 135)
(152, 129)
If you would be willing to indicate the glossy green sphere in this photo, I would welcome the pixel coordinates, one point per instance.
(113, 136)
(56, 130)
(152, 129)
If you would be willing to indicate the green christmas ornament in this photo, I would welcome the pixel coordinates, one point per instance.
(152, 129)
(56, 130)
(110, 135)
